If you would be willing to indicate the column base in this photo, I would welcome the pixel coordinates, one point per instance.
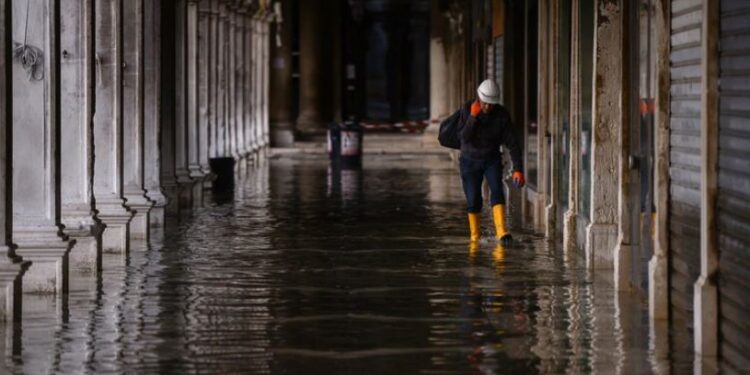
(550, 222)
(185, 193)
(116, 237)
(171, 192)
(140, 206)
(158, 210)
(308, 122)
(197, 177)
(185, 198)
(156, 217)
(254, 148)
(623, 267)
(85, 256)
(11, 275)
(48, 253)
(139, 224)
(601, 240)
(208, 178)
(251, 157)
(240, 172)
(570, 232)
(706, 317)
(541, 218)
(282, 138)
(197, 193)
(658, 288)
(86, 231)
(208, 183)
(116, 217)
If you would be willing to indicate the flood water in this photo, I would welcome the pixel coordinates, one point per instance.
(307, 270)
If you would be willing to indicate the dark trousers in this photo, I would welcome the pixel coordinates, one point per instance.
(472, 173)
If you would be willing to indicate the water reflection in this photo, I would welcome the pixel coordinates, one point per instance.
(308, 270)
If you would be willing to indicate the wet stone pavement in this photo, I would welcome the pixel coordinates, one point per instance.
(307, 270)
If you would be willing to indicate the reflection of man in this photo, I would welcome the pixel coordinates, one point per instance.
(478, 309)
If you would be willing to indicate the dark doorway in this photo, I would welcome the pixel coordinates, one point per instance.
(397, 60)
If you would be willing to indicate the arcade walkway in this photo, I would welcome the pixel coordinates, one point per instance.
(117, 118)
(303, 270)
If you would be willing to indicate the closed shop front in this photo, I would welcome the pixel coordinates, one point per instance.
(734, 184)
(684, 169)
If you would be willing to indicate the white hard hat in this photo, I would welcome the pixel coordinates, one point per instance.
(489, 92)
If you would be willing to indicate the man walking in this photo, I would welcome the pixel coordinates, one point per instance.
(484, 126)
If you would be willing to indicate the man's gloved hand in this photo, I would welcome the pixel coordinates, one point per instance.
(518, 180)
(476, 108)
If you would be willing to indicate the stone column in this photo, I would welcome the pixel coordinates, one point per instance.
(182, 116)
(194, 109)
(544, 115)
(311, 65)
(439, 102)
(608, 114)
(152, 104)
(264, 66)
(623, 251)
(255, 95)
(239, 73)
(706, 298)
(258, 83)
(250, 139)
(11, 267)
(658, 267)
(132, 116)
(167, 140)
(36, 140)
(244, 93)
(570, 234)
(108, 193)
(76, 152)
(231, 55)
(221, 96)
(255, 83)
(281, 122)
(213, 102)
(554, 128)
(204, 84)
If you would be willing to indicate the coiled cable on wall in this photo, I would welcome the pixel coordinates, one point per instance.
(29, 57)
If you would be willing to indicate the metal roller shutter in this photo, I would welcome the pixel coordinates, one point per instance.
(490, 61)
(684, 169)
(734, 184)
(498, 65)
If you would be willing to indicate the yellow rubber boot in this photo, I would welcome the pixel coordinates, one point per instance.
(498, 214)
(474, 226)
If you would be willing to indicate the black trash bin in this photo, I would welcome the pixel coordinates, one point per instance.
(345, 144)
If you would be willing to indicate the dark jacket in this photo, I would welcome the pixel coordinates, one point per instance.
(482, 136)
